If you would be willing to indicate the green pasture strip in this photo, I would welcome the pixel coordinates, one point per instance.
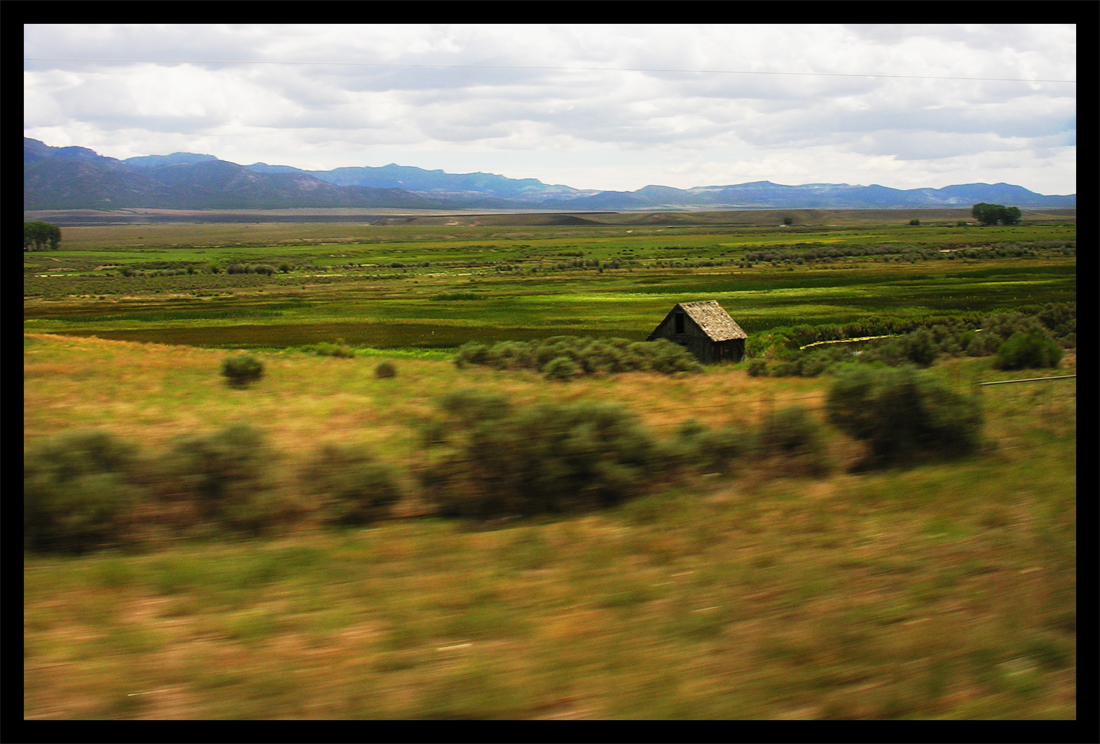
(368, 319)
(383, 336)
(462, 295)
(205, 241)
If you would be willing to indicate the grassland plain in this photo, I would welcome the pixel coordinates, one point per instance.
(436, 287)
(942, 591)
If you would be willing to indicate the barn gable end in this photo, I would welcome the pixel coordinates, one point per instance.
(705, 329)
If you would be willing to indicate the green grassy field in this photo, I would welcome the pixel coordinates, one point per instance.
(426, 286)
(936, 591)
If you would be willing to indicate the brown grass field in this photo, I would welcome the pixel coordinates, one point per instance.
(940, 591)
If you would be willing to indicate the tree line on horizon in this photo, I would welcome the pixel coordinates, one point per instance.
(39, 236)
(992, 214)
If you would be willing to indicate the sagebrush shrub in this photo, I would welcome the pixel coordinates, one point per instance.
(695, 447)
(591, 356)
(561, 368)
(227, 476)
(792, 434)
(385, 370)
(80, 491)
(242, 370)
(338, 349)
(669, 358)
(354, 487)
(1028, 351)
(919, 347)
(904, 415)
(544, 458)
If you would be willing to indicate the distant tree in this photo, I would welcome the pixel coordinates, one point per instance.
(991, 214)
(788, 221)
(914, 222)
(1010, 216)
(39, 235)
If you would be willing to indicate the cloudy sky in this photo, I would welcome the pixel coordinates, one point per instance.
(594, 107)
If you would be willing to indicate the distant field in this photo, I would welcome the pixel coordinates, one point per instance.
(425, 285)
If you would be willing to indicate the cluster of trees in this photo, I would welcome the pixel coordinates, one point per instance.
(991, 214)
(40, 235)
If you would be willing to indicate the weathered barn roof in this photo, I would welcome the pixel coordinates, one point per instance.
(714, 320)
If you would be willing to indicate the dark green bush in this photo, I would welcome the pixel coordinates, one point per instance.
(546, 458)
(471, 352)
(919, 347)
(561, 368)
(469, 408)
(80, 491)
(792, 434)
(353, 487)
(695, 447)
(1060, 319)
(226, 477)
(242, 370)
(509, 355)
(385, 370)
(669, 358)
(1028, 351)
(904, 415)
(338, 349)
(786, 367)
(758, 367)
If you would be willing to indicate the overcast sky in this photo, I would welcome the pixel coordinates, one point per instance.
(480, 98)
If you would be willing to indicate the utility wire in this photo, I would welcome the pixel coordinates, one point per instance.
(542, 67)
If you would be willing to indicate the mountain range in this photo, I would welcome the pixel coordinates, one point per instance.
(79, 178)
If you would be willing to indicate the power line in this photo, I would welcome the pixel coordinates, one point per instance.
(542, 67)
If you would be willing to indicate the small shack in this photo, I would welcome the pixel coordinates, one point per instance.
(705, 329)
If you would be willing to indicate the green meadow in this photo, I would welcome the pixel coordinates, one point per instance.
(436, 287)
(756, 590)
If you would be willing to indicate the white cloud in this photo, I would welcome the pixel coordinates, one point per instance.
(608, 128)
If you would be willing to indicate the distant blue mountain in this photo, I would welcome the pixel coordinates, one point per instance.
(406, 177)
(76, 177)
(176, 158)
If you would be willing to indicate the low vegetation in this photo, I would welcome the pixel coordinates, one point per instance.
(241, 370)
(1039, 337)
(905, 417)
(566, 357)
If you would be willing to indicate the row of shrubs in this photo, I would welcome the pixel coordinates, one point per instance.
(1018, 341)
(568, 357)
(994, 250)
(87, 490)
(484, 457)
(266, 269)
(1060, 319)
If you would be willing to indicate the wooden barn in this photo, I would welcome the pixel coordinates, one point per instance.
(705, 329)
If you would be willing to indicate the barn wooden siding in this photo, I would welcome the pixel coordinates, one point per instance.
(705, 329)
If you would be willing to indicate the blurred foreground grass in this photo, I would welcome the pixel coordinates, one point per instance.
(945, 591)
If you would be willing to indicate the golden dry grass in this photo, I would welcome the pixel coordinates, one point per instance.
(945, 591)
